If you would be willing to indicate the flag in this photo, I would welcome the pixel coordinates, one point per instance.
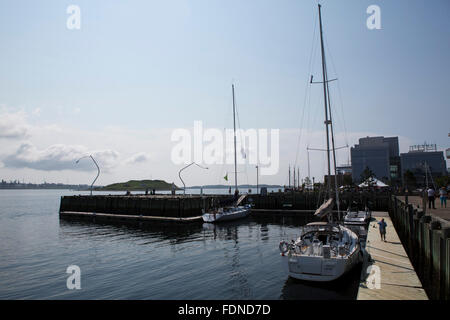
(226, 177)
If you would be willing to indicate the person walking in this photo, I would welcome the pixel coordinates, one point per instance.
(443, 197)
(431, 194)
(382, 226)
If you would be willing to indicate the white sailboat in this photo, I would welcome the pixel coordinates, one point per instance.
(235, 210)
(232, 212)
(357, 217)
(324, 251)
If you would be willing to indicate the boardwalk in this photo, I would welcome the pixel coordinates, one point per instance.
(398, 278)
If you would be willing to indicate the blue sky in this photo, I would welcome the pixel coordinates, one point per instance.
(141, 65)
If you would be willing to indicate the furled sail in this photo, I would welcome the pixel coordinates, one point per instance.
(325, 208)
(241, 198)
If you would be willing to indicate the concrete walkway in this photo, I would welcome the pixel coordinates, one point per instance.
(399, 281)
(443, 213)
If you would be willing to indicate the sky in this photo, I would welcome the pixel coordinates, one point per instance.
(135, 71)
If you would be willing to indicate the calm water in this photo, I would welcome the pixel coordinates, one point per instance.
(238, 260)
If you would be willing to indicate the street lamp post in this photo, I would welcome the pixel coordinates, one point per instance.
(179, 174)
(98, 169)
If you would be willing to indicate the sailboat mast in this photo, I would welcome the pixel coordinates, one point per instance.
(289, 176)
(325, 100)
(294, 177)
(309, 172)
(234, 130)
(334, 152)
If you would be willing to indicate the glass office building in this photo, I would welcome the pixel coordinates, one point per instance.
(380, 155)
(419, 161)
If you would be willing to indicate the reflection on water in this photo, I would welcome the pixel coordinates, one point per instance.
(233, 260)
(344, 288)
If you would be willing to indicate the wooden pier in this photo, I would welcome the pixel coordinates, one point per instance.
(426, 239)
(398, 279)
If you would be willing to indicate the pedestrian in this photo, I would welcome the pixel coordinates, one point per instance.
(443, 197)
(431, 194)
(382, 225)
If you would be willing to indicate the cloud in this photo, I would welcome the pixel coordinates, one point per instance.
(138, 158)
(59, 157)
(13, 125)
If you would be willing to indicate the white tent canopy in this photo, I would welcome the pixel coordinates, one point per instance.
(372, 182)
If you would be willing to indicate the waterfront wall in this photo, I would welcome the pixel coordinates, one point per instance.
(427, 242)
(376, 201)
(162, 206)
(191, 206)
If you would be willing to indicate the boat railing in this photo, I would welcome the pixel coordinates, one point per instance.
(320, 250)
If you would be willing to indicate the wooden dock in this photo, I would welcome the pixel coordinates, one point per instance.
(398, 279)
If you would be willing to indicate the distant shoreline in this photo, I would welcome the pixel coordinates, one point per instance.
(123, 188)
(44, 187)
(243, 186)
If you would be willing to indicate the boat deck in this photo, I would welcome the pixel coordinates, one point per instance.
(399, 281)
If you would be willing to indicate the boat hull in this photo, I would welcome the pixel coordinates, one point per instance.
(239, 213)
(356, 222)
(318, 269)
(309, 261)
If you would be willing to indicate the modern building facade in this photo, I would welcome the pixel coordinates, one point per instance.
(424, 163)
(380, 155)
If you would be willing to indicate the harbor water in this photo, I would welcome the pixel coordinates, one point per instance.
(236, 260)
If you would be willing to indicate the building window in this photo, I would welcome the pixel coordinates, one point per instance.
(394, 172)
